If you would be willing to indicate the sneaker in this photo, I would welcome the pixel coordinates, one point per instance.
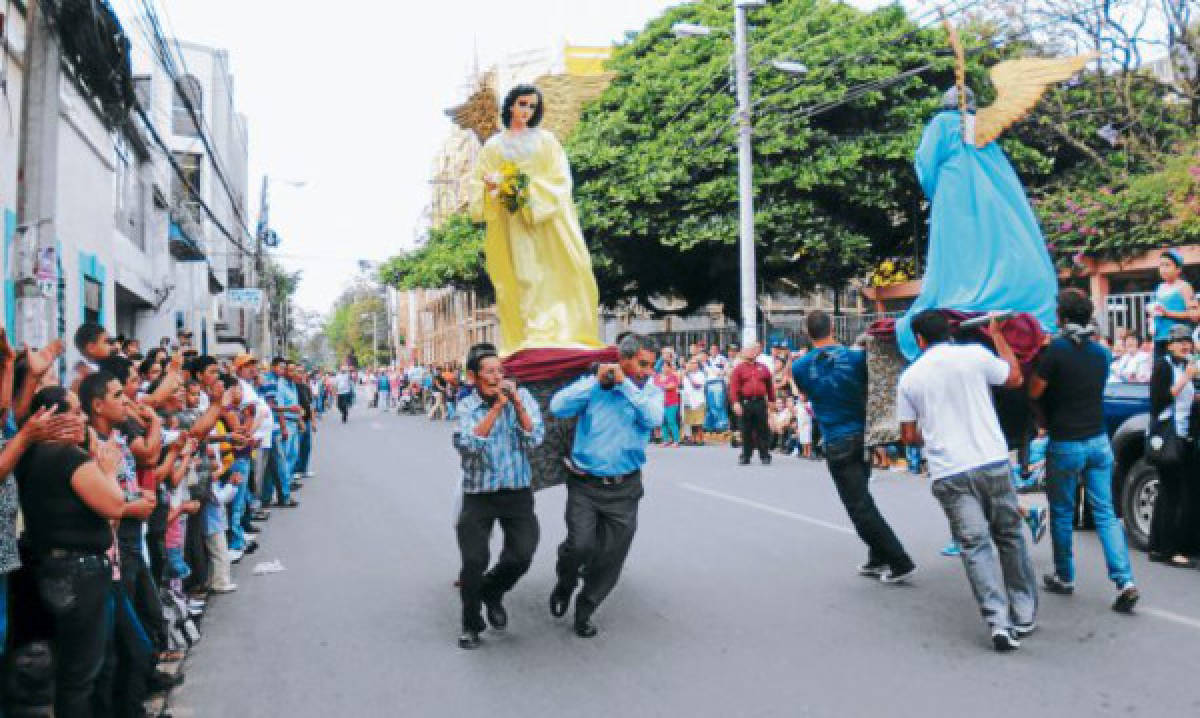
(235, 555)
(872, 570)
(1024, 629)
(309, 474)
(1127, 598)
(230, 588)
(1004, 640)
(1037, 523)
(951, 550)
(1052, 583)
(891, 576)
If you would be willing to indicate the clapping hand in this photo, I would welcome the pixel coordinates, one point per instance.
(41, 360)
(109, 456)
(48, 425)
(7, 353)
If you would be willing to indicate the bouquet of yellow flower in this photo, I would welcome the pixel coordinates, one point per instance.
(510, 186)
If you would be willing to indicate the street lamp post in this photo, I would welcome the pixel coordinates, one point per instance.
(746, 253)
(745, 124)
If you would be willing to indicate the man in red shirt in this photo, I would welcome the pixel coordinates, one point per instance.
(751, 391)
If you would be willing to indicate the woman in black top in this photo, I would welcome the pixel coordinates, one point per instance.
(68, 500)
(1171, 389)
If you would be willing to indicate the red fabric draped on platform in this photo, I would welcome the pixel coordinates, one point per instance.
(1023, 332)
(531, 365)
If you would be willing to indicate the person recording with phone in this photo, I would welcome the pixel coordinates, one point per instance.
(498, 425)
(618, 408)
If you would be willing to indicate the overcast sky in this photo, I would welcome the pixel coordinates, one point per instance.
(348, 97)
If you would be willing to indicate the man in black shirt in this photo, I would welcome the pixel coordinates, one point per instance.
(1069, 381)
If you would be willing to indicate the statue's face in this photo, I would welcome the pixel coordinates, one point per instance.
(523, 110)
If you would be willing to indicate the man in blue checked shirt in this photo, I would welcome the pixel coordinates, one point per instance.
(498, 424)
(618, 408)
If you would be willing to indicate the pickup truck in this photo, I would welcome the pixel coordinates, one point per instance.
(1135, 482)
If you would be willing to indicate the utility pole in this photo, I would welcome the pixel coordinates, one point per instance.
(264, 343)
(36, 281)
(745, 125)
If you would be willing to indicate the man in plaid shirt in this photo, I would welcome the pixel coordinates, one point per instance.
(497, 426)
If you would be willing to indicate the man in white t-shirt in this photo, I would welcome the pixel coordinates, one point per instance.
(245, 367)
(944, 403)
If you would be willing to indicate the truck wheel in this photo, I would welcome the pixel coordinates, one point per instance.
(1141, 489)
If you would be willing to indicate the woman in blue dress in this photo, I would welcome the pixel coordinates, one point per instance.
(1174, 300)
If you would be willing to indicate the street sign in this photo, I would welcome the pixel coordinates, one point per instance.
(245, 298)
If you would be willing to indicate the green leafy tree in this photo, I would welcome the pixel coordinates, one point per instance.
(452, 256)
(656, 172)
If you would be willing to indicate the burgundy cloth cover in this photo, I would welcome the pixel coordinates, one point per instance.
(538, 365)
(1023, 332)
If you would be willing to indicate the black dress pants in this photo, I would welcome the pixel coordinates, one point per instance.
(601, 523)
(513, 509)
(1168, 528)
(851, 472)
(755, 433)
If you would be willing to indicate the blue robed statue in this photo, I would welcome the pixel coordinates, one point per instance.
(986, 250)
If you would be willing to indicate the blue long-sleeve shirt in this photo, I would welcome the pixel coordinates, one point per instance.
(614, 424)
(501, 460)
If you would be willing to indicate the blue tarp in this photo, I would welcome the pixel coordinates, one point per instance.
(986, 250)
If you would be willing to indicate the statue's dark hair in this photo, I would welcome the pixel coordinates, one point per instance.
(510, 100)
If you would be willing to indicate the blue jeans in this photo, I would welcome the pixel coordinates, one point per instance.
(237, 507)
(293, 451)
(1066, 462)
(277, 478)
(303, 450)
(671, 425)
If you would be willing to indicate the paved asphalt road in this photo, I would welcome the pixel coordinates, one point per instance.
(739, 599)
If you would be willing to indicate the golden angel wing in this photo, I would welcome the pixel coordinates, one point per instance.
(565, 97)
(481, 112)
(1019, 85)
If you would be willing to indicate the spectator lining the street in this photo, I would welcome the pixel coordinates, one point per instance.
(1173, 397)
(1174, 301)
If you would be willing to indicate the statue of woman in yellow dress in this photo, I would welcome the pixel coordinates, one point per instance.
(546, 294)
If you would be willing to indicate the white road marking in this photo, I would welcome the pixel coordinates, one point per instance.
(768, 508)
(1173, 617)
(1147, 610)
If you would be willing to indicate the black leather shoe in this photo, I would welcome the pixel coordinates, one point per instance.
(469, 640)
(560, 600)
(584, 628)
(496, 615)
(743, 461)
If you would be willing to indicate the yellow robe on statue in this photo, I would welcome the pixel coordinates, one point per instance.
(546, 294)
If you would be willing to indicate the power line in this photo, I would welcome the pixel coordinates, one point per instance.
(152, 29)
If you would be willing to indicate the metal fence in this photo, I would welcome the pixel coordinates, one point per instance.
(846, 328)
(1128, 312)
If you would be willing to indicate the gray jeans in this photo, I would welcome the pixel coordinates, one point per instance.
(981, 506)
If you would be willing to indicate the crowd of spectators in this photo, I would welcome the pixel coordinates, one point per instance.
(129, 487)
(698, 398)
(433, 390)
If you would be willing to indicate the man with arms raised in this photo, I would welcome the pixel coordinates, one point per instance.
(498, 424)
(944, 403)
(617, 408)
